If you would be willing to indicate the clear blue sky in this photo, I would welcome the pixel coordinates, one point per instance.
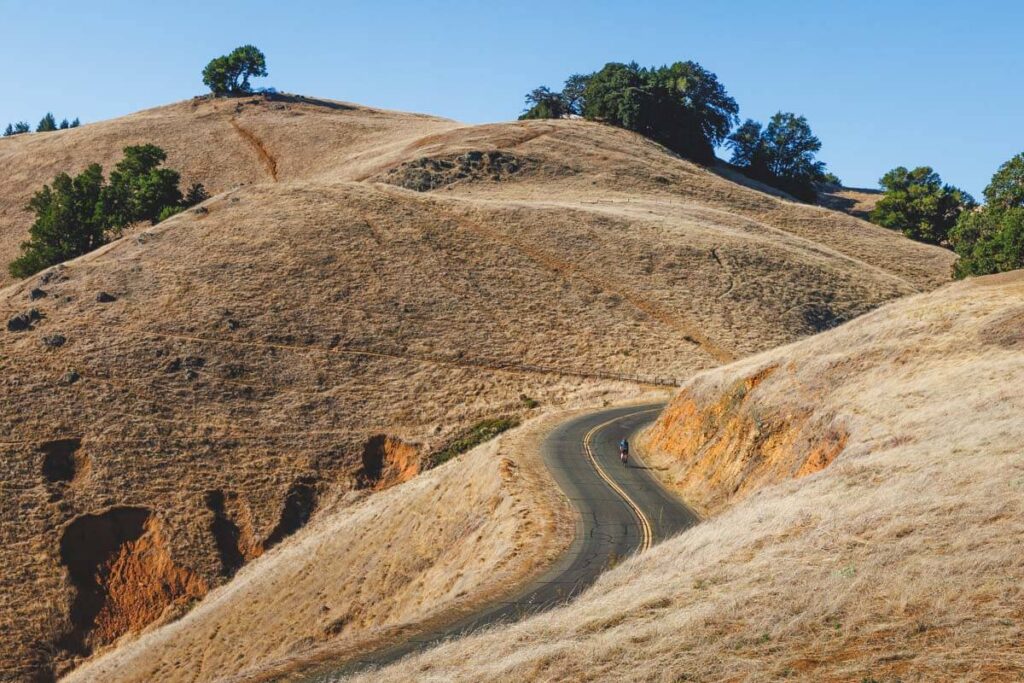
(932, 82)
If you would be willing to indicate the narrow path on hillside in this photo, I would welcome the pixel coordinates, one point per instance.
(620, 510)
(266, 158)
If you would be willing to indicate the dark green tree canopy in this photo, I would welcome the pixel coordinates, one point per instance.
(139, 189)
(919, 205)
(47, 124)
(991, 239)
(1006, 190)
(682, 106)
(781, 154)
(76, 215)
(230, 74)
(542, 103)
(67, 222)
(574, 94)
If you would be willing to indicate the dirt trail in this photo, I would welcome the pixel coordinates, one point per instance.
(266, 158)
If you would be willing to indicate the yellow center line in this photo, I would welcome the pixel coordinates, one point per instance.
(645, 524)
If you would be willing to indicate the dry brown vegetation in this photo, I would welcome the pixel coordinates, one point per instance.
(317, 321)
(855, 201)
(900, 560)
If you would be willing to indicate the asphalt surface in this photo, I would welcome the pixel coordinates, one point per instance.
(622, 509)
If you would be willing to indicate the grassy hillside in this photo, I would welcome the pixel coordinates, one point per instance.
(363, 288)
(893, 554)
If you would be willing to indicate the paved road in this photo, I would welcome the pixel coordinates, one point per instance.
(622, 510)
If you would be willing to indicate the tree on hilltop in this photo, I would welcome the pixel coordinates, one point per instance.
(47, 124)
(542, 103)
(683, 106)
(229, 74)
(574, 94)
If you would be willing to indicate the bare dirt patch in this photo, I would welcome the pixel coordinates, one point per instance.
(123, 575)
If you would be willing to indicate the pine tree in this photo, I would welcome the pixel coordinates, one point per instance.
(46, 124)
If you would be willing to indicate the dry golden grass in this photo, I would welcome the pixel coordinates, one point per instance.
(902, 560)
(855, 201)
(261, 344)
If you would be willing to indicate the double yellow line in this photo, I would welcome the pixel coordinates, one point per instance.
(645, 524)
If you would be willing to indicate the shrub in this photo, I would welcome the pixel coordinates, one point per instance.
(919, 205)
(196, 194)
(529, 402)
(230, 74)
(169, 211)
(482, 431)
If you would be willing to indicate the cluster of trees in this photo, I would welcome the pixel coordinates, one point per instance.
(781, 154)
(229, 74)
(919, 204)
(685, 107)
(75, 215)
(988, 238)
(46, 124)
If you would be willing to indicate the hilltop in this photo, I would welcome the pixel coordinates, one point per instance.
(362, 288)
(863, 493)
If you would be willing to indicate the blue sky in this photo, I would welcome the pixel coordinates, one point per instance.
(882, 83)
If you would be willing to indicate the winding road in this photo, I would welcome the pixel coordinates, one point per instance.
(621, 510)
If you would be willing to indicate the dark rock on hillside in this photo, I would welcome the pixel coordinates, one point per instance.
(23, 321)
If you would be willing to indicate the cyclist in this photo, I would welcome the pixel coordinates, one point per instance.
(624, 450)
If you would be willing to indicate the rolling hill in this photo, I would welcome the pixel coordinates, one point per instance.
(363, 287)
(863, 492)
